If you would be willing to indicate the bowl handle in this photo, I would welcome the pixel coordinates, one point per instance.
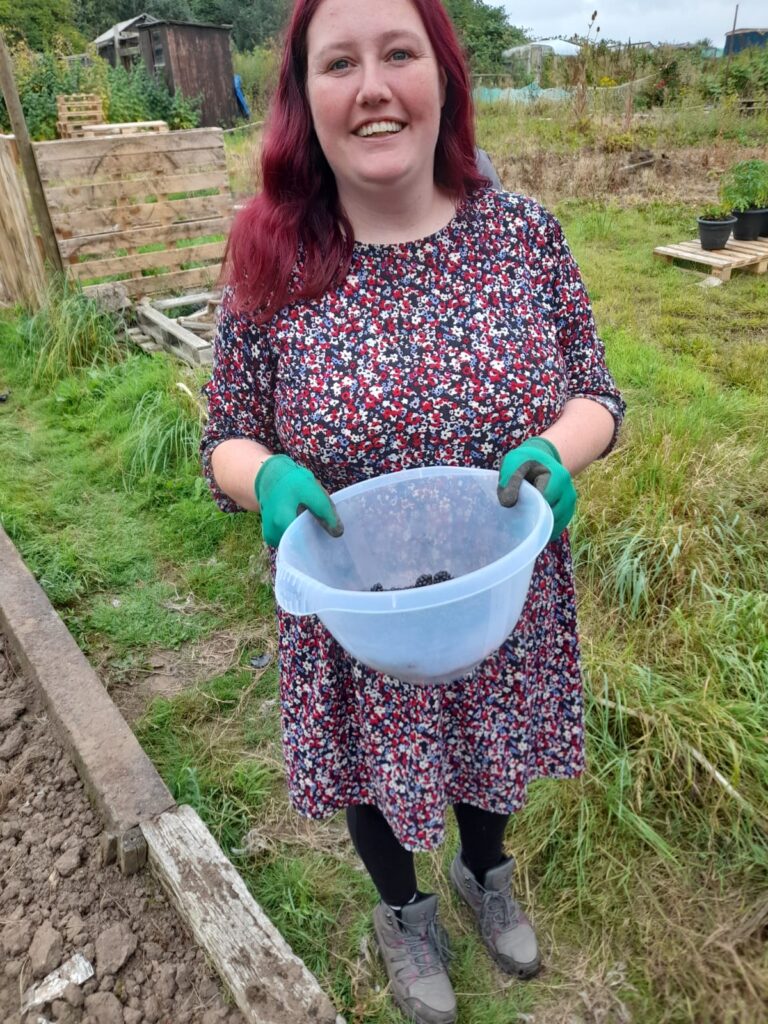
(296, 594)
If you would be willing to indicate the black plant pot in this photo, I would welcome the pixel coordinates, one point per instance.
(748, 224)
(764, 223)
(713, 234)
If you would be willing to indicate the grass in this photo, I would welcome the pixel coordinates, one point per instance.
(647, 877)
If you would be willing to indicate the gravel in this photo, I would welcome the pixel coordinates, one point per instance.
(56, 900)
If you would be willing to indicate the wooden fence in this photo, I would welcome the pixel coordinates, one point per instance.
(151, 211)
(21, 265)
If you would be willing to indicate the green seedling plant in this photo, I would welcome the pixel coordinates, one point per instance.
(744, 186)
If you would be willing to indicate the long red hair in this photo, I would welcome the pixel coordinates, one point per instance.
(298, 212)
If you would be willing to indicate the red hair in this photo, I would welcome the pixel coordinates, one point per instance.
(298, 213)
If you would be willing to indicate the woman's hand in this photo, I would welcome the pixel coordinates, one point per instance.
(538, 461)
(283, 490)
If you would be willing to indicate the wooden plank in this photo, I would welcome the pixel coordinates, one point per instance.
(106, 243)
(90, 196)
(117, 167)
(52, 155)
(148, 260)
(118, 218)
(675, 252)
(172, 335)
(21, 269)
(193, 299)
(92, 131)
(269, 983)
(164, 284)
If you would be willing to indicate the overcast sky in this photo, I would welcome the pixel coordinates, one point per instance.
(654, 20)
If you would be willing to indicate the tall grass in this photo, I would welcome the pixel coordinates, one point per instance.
(70, 332)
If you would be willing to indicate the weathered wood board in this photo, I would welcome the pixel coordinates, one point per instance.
(269, 983)
(21, 266)
(113, 198)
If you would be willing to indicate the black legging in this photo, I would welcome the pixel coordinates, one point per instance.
(391, 866)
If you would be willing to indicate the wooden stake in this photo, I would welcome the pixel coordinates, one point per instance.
(27, 157)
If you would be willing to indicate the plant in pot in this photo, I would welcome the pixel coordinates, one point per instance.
(744, 189)
(715, 224)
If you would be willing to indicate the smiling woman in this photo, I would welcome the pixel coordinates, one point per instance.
(388, 310)
(376, 97)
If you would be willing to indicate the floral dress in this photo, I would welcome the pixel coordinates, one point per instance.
(450, 350)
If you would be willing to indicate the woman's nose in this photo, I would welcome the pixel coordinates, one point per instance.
(373, 87)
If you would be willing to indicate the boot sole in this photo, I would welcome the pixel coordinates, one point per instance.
(402, 1005)
(519, 970)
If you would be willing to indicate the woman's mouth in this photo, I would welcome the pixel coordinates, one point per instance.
(379, 128)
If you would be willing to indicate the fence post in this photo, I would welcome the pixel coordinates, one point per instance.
(27, 157)
(21, 268)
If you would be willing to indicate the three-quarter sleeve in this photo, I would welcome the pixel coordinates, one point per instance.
(240, 393)
(582, 348)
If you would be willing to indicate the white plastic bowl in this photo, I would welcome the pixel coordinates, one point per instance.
(397, 527)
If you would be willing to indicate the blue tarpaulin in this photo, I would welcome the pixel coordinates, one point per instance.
(240, 96)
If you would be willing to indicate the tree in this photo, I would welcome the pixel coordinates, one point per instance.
(38, 22)
(485, 33)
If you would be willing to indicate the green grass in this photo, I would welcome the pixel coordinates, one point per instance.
(646, 877)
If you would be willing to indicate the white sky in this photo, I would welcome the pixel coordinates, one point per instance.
(640, 20)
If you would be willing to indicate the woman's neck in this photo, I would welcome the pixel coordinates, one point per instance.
(390, 216)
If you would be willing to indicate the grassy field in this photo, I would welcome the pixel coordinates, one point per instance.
(647, 878)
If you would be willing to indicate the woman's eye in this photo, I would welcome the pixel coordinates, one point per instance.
(399, 55)
(339, 65)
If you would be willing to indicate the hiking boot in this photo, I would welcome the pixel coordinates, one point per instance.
(505, 929)
(415, 952)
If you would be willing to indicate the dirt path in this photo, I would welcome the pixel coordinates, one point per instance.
(56, 900)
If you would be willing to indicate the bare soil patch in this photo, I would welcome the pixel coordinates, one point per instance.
(56, 900)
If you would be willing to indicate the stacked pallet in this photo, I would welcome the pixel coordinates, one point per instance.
(77, 111)
(150, 211)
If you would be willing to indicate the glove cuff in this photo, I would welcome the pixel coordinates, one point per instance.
(545, 445)
(272, 470)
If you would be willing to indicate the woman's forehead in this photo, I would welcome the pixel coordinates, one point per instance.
(357, 21)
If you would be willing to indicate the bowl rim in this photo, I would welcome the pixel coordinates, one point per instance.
(329, 599)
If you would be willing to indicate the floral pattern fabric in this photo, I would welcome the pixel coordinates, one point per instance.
(450, 350)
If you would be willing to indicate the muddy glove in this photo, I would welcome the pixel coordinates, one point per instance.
(537, 461)
(283, 490)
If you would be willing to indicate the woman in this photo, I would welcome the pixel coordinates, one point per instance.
(387, 309)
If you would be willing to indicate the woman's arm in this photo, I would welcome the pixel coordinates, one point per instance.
(582, 433)
(235, 464)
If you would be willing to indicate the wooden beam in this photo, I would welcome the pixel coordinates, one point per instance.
(76, 197)
(173, 337)
(269, 983)
(144, 261)
(143, 215)
(106, 243)
(27, 157)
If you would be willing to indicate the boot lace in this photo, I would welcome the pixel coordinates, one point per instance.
(429, 950)
(498, 911)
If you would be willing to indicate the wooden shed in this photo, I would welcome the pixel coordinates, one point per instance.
(194, 58)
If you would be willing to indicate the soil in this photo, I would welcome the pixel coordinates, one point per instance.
(56, 899)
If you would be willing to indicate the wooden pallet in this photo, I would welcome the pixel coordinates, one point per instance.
(749, 256)
(76, 111)
(190, 337)
(95, 131)
(129, 207)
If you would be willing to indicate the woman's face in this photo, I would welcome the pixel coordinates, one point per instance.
(375, 91)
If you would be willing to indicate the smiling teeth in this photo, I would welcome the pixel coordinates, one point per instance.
(379, 128)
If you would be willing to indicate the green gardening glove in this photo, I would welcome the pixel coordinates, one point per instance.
(538, 461)
(283, 490)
